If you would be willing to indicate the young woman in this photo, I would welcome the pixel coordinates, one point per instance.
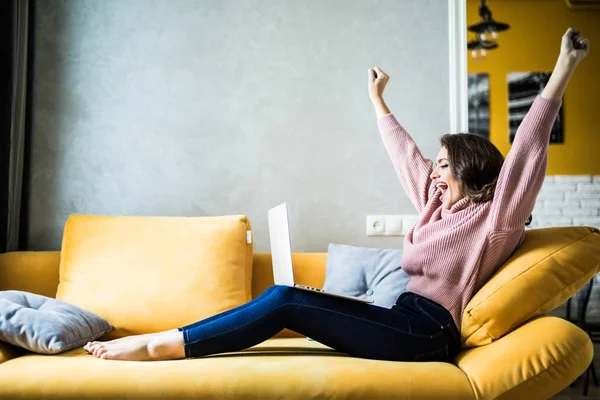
(473, 207)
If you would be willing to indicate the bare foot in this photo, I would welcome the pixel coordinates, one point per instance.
(90, 345)
(152, 347)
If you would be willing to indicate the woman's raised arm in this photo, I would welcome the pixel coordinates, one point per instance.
(412, 168)
(524, 169)
(573, 49)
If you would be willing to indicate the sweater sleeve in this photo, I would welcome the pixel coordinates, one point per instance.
(412, 168)
(524, 168)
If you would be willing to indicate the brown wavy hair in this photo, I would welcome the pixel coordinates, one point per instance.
(475, 163)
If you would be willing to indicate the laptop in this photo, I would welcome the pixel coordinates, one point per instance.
(281, 251)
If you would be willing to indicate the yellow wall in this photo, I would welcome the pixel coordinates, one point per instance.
(532, 44)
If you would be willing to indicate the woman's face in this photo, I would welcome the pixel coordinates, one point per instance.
(448, 187)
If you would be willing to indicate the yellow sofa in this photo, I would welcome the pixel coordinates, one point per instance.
(136, 271)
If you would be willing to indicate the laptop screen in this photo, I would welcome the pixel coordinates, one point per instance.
(281, 245)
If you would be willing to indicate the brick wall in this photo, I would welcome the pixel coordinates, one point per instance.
(571, 200)
(568, 200)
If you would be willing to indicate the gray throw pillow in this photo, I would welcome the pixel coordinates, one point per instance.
(45, 325)
(366, 273)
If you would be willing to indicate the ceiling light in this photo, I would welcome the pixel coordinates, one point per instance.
(487, 30)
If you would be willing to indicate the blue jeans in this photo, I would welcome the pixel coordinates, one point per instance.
(414, 329)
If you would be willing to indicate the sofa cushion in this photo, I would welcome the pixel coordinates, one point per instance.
(550, 266)
(45, 325)
(276, 369)
(535, 361)
(368, 273)
(149, 274)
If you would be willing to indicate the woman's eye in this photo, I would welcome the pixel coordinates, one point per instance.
(444, 166)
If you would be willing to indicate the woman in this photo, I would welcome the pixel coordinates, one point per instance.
(473, 207)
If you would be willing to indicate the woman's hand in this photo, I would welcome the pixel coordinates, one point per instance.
(574, 47)
(377, 81)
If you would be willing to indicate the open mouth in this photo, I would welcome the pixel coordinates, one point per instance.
(444, 188)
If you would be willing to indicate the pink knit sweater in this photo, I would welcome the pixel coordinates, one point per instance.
(450, 253)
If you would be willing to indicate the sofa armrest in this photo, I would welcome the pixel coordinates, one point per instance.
(535, 361)
(30, 271)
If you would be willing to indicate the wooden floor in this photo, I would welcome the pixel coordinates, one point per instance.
(576, 393)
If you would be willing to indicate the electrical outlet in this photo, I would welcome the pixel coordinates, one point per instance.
(375, 225)
(390, 225)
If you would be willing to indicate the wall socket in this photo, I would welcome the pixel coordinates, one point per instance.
(375, 225)
(390, 225)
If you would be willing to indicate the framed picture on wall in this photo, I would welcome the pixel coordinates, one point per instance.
(479, 104)
(523, 87)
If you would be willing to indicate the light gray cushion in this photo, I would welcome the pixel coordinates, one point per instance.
(366, 273)
(45, 325)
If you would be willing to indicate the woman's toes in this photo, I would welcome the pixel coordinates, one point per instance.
(102, 352)
(97, 350)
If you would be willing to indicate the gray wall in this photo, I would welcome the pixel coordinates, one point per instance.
(211, 107)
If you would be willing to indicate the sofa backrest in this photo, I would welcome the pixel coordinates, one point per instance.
(552, 265)
(30, 271)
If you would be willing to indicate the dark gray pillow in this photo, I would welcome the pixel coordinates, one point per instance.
(366, 273)
(45, 325)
